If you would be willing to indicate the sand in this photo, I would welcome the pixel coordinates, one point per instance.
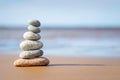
(62, 68)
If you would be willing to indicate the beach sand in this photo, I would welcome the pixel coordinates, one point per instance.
(62, 68)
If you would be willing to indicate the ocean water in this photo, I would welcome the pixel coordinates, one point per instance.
(69, 46)
(83, 47)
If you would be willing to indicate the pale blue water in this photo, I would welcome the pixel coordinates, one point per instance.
(76, 47)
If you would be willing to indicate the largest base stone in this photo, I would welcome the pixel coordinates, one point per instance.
(40, 61)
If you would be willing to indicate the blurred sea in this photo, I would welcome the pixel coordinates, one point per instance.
(76, 42)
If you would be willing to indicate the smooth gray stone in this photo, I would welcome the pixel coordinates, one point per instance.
(34, 29)
(34, 22)
(31, 45)
(31, 54)
(31, 36)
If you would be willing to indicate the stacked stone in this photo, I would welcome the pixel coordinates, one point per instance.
(31, 46)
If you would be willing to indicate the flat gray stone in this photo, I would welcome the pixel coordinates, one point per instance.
(31, 54)
(31, 45)
(34, 29)
(34, 22)
(31, 36)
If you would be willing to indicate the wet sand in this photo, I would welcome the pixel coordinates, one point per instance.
(62, 68)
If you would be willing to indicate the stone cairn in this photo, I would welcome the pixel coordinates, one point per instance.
(31, 54)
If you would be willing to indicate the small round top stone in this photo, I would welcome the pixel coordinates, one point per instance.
(34, 22)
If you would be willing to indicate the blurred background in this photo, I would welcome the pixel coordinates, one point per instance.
(71, 28)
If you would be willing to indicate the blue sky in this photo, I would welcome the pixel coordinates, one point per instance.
(68, 13)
